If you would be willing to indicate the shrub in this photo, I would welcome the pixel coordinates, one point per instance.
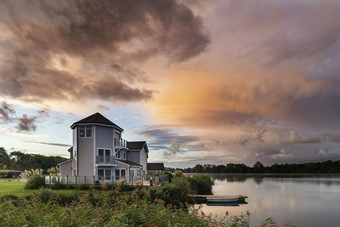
(201, 185)
(121, 185)
(178, 173)
(28, 173)
(35, 182)
(174, 193)
(45, 195)
(139, 184)
(57, 186)
(106, 185)
(81, 186)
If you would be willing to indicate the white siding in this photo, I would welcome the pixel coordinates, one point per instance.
(85, 156)
(104, 137)
(66, 169)
(133, 156)
(143, 159)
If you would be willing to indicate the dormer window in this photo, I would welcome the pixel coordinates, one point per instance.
(85, 131)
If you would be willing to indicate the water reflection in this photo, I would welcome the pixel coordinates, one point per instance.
(328, 180)
(303, 200)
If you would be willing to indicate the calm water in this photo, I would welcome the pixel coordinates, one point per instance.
(300, 200)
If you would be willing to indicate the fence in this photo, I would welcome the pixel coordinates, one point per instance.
(92, 180)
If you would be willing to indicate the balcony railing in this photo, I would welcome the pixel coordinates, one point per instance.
(105, 159)
(120, 142)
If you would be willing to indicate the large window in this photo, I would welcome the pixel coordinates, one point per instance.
(85, 131)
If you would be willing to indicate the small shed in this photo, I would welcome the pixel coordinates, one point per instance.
(155, 167)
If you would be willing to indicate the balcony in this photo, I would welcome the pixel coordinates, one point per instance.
(120, 142)
(105, 159)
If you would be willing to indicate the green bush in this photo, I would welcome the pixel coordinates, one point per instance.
(35, 182)
(121, 185)
(201, 185)
(174, 193)
(57, 186)
(45, 195)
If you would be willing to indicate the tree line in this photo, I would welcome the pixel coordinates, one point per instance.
(258, 167)
(17, 160)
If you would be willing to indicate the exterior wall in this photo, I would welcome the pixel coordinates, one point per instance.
(104, 137)
(75, 151)
(66, 169)
(85, 156)
(134, 156)
(143, 159)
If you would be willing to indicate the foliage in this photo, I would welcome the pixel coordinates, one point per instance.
(178, 173)
(28, 173)
(175, 192)
(17, 160)
(103, 208)
(139, 184)
(3, 173)
(35, 182)
(258, 167)
(201, 185)
(106, 185)
(53, 171)
(121, 185)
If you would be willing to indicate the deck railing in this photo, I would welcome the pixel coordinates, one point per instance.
(105, 159)
(120, 142)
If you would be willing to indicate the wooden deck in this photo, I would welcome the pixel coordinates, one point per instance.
(218, 198)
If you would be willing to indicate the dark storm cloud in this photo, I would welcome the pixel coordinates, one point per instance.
(49, 144)
(168, 140)
(27, 124)
(96, 32)
(6, 110)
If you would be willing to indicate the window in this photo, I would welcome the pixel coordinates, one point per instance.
(85, 131)
(124, 156)
(118, 154)
(138, 173)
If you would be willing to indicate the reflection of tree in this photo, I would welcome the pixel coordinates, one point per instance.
(258, 180)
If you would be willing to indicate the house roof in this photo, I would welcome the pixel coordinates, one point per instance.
(96, 118)
(155, 166)
(136, 144)
(65, 161)
(128, 162)
(9, 171)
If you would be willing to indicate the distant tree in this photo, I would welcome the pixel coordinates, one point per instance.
(258, 167)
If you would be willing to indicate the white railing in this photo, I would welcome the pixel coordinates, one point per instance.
(105, 159)
(120, 142)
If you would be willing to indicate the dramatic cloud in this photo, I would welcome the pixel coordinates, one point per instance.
(49, 144)
(80, 50)
(168, 140)
(27, 124)
(5, 111)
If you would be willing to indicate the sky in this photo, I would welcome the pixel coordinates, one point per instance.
(203, 82)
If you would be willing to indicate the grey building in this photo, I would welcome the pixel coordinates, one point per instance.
(100, 151)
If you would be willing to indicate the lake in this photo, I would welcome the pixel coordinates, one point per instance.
(303, 200)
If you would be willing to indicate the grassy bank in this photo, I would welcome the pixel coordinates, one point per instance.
(13, 187)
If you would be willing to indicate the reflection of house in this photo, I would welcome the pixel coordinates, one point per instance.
(155, 167)
(99, 150)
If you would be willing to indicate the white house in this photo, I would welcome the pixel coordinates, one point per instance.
(100, 151)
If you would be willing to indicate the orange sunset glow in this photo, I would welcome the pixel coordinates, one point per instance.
(209, 82)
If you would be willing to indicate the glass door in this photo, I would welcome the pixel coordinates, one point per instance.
(104, 174)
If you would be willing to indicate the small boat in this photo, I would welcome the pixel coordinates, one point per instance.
(222, 199)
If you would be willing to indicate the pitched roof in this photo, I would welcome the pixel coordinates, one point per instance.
(155, 166)
(128, 162)
(96, 118)
(135, 144)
